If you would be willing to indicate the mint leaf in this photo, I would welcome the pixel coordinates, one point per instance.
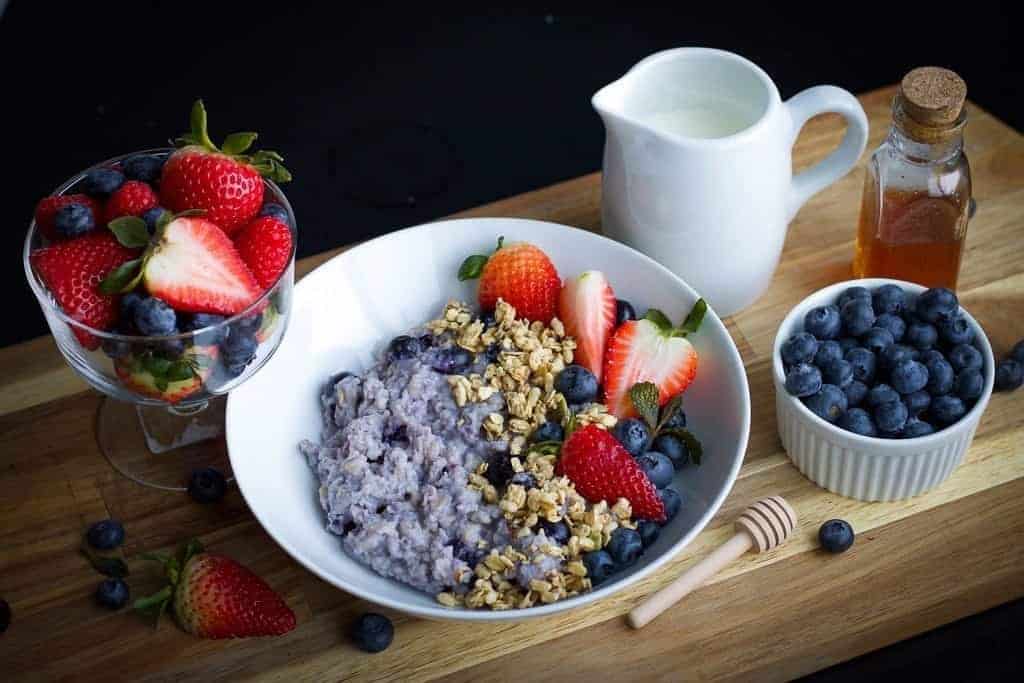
(123, 278)
(692, 444)
(668, 410)
(472, 267)
(694, 319)
(236, 143)
(156, 366)
(179, 371)
(108, 566)
(658, 318)
(130, 231)
(644, 396)
(546, 447)
(160, 382)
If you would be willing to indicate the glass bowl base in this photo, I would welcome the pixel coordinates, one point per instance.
(160, 447)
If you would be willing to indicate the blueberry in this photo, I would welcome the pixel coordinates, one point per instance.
(403, 347)
(937, 304)
(915, 428)
(891, 416)
(73, 220)
(823, 322)
(889, 321)
(1009, 374)
(908, 376)
(450, 361)
(921, 335)
(896, 354)
(632, 434)
(858, 421)
(674, 448)
(881, 393)
(171, 349)
(969, 385)
(102, 182)
(946, 409)
(426, 341)
(210, 337)
(556, 531)
(395, 435)
(115, 348)
(153, 317)
(499, 469)
(1017, 352)
(955, 330)
(5, 615)
(847, 343)
(144, 167)
(889, 299)
(129, 302)
(548, 431)
(624, 546)
(524, 479)
(856, 392)
(372, 632)
(828, 404)
(965, 357)
(917, 402)
(657, 467)
(931, 356)
(207, 485)
(106, 534)
(838, 372)
(648, 531)
(623, 311)
(112, 593)
(276, 210)
(676, 421)
(876, 340)
(836, 535)
(577, 384)
(803, 380)
(800, 348)
(863, 362)
(854, 293)
(828, 351)
(858, 317)
(151, 217)
(599, 565)
(672, 501)
(239, 348)
(488, 319)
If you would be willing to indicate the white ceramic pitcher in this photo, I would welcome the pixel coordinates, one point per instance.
(697, 166)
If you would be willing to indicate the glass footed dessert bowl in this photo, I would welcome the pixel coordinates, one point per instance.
(162, 416)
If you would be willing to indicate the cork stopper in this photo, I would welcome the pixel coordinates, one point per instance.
(929, 104)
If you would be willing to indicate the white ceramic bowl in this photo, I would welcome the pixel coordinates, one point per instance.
(351, 306)
(861, 467)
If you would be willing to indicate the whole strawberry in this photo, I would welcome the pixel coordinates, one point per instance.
(215, 597)
(46, 212)
(602, 469)
(519, 273)
(265, 245)
(224, 181)
(133, 198)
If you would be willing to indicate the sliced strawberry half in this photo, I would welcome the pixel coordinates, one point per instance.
(586, 307)
(650, 350)
(195, 267)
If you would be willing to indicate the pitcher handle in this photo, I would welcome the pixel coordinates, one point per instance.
(819, 100)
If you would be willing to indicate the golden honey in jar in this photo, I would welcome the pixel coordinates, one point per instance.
(917, 187)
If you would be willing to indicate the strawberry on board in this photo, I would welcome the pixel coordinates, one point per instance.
(133, 198)
(46, 212)
(72, 271)
(265, 244)
(602, 469)
(587, 308)
(519, 273)
(213, 596)
(650, 350)
(225, 182)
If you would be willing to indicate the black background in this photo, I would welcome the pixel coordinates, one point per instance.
(392, 115)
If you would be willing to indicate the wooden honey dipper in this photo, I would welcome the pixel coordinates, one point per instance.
(764, 525)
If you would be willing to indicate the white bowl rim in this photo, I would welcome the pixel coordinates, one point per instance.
(882, 446)
(464, 614)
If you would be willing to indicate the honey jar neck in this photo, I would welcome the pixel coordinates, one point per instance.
(936, 151)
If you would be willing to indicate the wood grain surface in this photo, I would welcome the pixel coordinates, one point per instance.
(916, 564)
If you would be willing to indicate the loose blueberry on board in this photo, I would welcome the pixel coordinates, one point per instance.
(937, 304)
(877, 340)
(154, 318)
(915, 428)
(102, 182)
(863, 362)
(955, 330)
(524, 479)
(599, 565)
(1009, 375)
(965, 357)
(499, 469)
(106, 534)
(73, 220)
(891, 416)
(657, 467)
(855, 292)
(858, 421)
(921, 335)
(889, 299)
(5, 615)
(896, 354)
(908, 376)
(624, 311)
(556, 531)
(881, 393)
(403, 347)
(837, 372)
(969, 385)
(624, 546)
(828, 351)
(151, 216)
(199, 321)
(207, 485)
(895, 324)
(648, 531)
(674, 448)
(548, 431)
(917, 402)
(946, 409)
(577, 384)
(828, 404)
(836, 535)
(112, 593)
(276, 210)
(672, 501)
(803, 380)
(632, 434)
(144, 167)
(800, 348)
(858, 317)
(855, 392)
(451, 361)
(823, 322)
(372, 632)
(1017, 352)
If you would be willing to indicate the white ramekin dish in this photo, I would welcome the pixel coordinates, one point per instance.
(869, 468)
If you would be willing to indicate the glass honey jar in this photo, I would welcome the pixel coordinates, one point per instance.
(917, 189)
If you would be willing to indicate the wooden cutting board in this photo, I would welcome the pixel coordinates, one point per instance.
(916, 564)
